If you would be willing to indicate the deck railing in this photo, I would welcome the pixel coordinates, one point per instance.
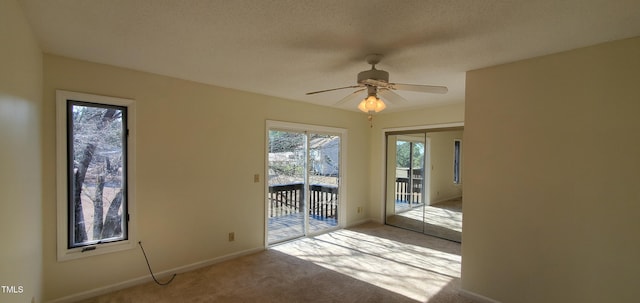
(408, 192)
(408, 186)
(288, 199)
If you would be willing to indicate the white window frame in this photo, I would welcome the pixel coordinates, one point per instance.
(63, 252)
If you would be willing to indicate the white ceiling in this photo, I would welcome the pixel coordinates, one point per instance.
(285, 48)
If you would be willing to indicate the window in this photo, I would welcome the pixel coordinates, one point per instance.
(456, 161)
(95, 161)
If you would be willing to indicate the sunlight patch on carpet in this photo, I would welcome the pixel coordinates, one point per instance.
(416, 272)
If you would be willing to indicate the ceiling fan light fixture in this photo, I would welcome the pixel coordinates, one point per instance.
(376, 81)
(371, 104)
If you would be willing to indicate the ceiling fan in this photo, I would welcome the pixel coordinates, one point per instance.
(376, 81)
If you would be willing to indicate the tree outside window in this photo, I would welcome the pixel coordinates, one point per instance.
(97, 173)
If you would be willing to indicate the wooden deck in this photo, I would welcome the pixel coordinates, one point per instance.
(288, 227)
(286, 214)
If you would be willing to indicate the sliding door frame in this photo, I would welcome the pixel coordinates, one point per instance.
(342, 174)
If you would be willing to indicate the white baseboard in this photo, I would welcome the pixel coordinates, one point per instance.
(147, 278)
(477, 297)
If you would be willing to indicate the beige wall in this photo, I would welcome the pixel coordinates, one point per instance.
(552, 206)
(415, 119)
(441, 185)
(20, 159)
(198, 147)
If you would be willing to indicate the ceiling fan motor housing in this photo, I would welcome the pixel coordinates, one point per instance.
(373, 74)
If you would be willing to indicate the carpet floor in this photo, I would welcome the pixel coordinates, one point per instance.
(367, 263)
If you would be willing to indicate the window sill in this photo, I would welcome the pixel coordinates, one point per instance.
(94, 250)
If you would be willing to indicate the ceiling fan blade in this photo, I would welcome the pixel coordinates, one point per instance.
(374, 82)
(391, 96)
(350, 97)
(420, 88)
(329, 90)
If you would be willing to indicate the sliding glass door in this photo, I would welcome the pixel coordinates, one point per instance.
(324, 177)
(303, 182)
(287, 176)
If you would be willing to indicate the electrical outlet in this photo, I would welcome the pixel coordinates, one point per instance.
(232, 236)
(359, 209)
(256, 178)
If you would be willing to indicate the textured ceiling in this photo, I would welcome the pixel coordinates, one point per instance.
(285, 48)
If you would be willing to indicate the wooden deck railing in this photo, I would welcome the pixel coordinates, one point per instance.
(408, 186)
(404, 194)
(288, 199)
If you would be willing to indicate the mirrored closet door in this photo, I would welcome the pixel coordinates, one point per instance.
(423, 181)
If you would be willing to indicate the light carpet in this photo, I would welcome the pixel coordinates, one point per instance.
(367, 263)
